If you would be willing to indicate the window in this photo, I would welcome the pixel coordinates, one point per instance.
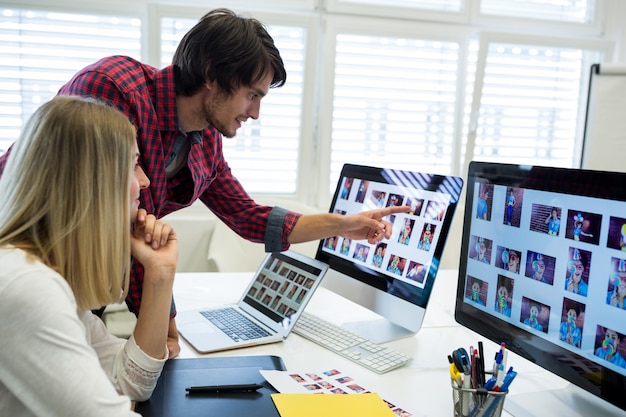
(541, 124)
(41, 50)
(576, 11)
(394, 103)
(444, 5)
(417, 84)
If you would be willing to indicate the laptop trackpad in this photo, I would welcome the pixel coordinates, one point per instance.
(198, 327)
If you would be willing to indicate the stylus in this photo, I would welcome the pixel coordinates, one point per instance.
(223, 388)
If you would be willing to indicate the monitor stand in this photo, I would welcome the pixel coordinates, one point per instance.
(569, 401)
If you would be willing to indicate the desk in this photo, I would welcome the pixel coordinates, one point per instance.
(421, 387)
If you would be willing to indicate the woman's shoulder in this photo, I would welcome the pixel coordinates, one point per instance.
(24, 279)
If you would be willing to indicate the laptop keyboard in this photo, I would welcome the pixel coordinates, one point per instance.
(234, 324)
(373, 356)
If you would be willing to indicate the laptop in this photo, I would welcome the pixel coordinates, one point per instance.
(266, 312)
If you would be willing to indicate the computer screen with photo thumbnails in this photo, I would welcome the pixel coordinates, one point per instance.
(394, 277)
(543, 269)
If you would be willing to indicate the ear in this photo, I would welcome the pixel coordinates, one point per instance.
(211, 86)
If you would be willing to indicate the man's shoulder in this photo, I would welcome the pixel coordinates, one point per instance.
(124, 71)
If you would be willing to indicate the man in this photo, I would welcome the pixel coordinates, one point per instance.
(221, 70)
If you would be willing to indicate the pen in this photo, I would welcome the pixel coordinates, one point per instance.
(481, 357)
(507, 381)
(474, 364)
(207, 389)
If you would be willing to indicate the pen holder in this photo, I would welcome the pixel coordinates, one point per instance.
(469, 402)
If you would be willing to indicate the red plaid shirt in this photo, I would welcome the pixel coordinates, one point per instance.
(147, 96)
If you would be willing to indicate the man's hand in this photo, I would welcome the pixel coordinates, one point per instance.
(370, 224)
(365, 225)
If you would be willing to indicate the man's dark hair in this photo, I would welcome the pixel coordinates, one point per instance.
(233, 50)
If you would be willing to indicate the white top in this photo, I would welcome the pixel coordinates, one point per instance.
(57, 361)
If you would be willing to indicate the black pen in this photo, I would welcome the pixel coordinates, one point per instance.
(207, 389)
(481, 355)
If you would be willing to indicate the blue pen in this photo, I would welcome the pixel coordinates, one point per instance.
(491, 382)
(497, 361)
(507, 381)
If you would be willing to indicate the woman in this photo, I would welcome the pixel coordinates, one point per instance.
(69, 193)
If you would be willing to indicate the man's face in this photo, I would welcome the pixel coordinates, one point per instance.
(227, 113)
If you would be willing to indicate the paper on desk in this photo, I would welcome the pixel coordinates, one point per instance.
(331, 381)
(304, 405)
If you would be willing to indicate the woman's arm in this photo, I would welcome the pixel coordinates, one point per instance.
(155, 246)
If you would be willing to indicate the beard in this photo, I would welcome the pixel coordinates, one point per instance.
(216, 115)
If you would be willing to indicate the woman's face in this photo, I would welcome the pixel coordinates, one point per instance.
(513, 261)
(571, 315)
(577, 273)
(139, 182)
(621, 287)
(612, 336)
(503, 293)
(541, 267)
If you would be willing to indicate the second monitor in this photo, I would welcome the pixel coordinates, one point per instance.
(393, 278)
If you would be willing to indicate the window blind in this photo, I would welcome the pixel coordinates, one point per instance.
(41, 50)
(438, 5)
(530, 105)
(572, 11)
(394, 103)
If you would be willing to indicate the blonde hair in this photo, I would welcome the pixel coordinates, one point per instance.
(65, 196)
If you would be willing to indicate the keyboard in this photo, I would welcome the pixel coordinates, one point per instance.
(234, 324)
(373, 356)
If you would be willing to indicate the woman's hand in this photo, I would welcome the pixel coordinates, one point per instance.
(154, 243)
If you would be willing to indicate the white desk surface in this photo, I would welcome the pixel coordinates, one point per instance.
(422, 387)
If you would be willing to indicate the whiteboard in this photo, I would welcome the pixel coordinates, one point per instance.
(604, 143)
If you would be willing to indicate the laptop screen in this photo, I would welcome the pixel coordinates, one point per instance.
(283, 285)
(543, 268)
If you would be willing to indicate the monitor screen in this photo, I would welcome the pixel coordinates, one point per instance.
(543, 269)
(398, 273)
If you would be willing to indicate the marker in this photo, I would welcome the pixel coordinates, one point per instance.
(505, 353)
(462, 361)
(474, 354)
(454, 372)
(214, 389)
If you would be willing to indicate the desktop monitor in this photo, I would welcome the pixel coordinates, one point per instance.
(393, 278)
(543, 269)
